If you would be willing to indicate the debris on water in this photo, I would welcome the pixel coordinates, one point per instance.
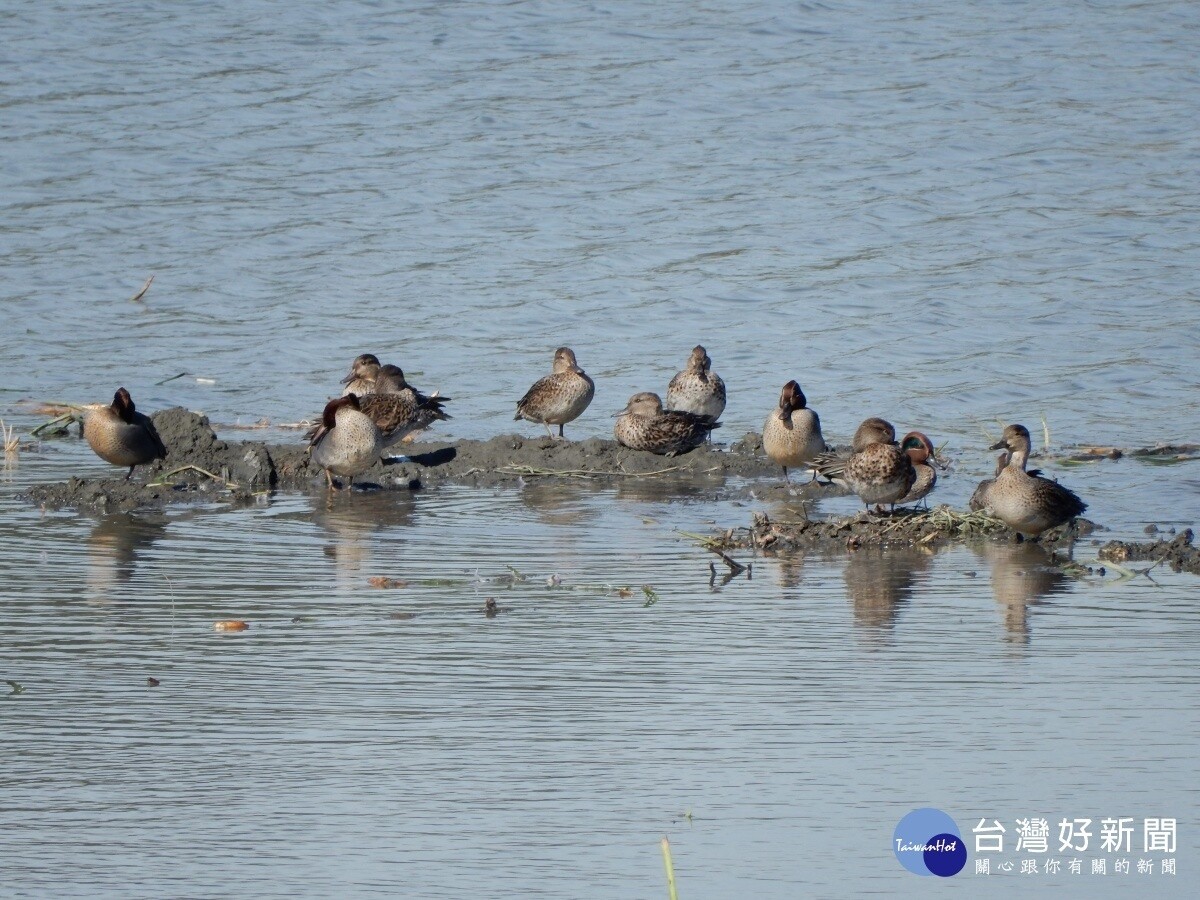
(152, 682)
(491, 608)
(650, 594)
(382, 581)
(553, 580)
(402, 616)
(231, 625)
(624, 593)
(297, 620)
(17, 687)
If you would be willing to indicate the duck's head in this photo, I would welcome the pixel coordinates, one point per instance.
(391, 379)
(646, 403)
(699, 361)
(123, 406)
(873, 431)
(564, 361)
(791, 398)
(1015, 438)
(364, 365)
(919, 448)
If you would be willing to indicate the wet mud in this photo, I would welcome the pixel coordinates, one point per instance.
(201, 466)
(1177, 552)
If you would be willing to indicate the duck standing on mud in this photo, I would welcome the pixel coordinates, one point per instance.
(877, 469)
(792, 434)
(920, 450)
(347, 442)
(559, 397)
(1025, 501)
(644, 425)
(697, 389)
(121, 435)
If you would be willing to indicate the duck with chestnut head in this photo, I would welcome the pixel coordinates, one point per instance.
(559, 397)
(792, 433)
(347, 442)
(644, 425)
(121, 435)
(1028, 502)
(921, 451)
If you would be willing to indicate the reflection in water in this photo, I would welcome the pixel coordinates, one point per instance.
(1022, 575)
(114, 547)
(558, 501)
(880, 580)
(351, 518)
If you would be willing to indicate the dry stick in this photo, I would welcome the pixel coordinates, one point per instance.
(142, 293)
(666, 852)
(227, 483)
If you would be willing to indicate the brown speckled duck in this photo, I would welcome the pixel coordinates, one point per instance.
(347, 442)
(121, 435)
(1025, 501)
(792, 433)
(644, 425)
(560, 397)
(390, 382)
(363, 372)
(697, 389)
(877, 469)
(921, 451)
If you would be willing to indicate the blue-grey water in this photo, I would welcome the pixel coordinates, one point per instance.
(955, 215)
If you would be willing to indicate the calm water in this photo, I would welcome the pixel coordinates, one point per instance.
(952, 215)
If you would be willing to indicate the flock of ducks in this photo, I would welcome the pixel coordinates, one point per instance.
(378, 408)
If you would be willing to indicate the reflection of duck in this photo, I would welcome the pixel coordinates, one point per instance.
(561, 501)
(353, 524)
(877, 469)
(346, 442)
(879, 580)
(644, 425)
(121, 435)
(697, 389)
(561, 396)
(792, 434)
(1026, 502)
(115, 546)
(1022, 576)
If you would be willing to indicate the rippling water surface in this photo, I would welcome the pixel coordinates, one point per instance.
(951, 214)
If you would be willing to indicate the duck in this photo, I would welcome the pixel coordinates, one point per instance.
(363, 372)
(559, 397)
(697, 389)
(121, 435)
(920, 450)
(1028, 502)
(792, 434)
(877, 470)
(347, 442)
(979, 499)
(390, 382)
(644, 425)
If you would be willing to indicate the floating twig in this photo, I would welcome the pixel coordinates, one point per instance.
(172, 378)
(142, 293)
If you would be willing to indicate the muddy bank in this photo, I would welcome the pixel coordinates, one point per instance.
(1177, 552)
(904, 528)
(199, 465)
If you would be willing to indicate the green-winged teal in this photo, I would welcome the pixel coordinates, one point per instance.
(644, 425)
(363, 372)
(877, 469)
(560, 397)
(347, 442)
(921, 451)
(792, 433)
(697, 389)
(121, 435)
(1027, 502)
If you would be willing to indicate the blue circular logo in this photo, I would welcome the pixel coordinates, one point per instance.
(927, 842)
